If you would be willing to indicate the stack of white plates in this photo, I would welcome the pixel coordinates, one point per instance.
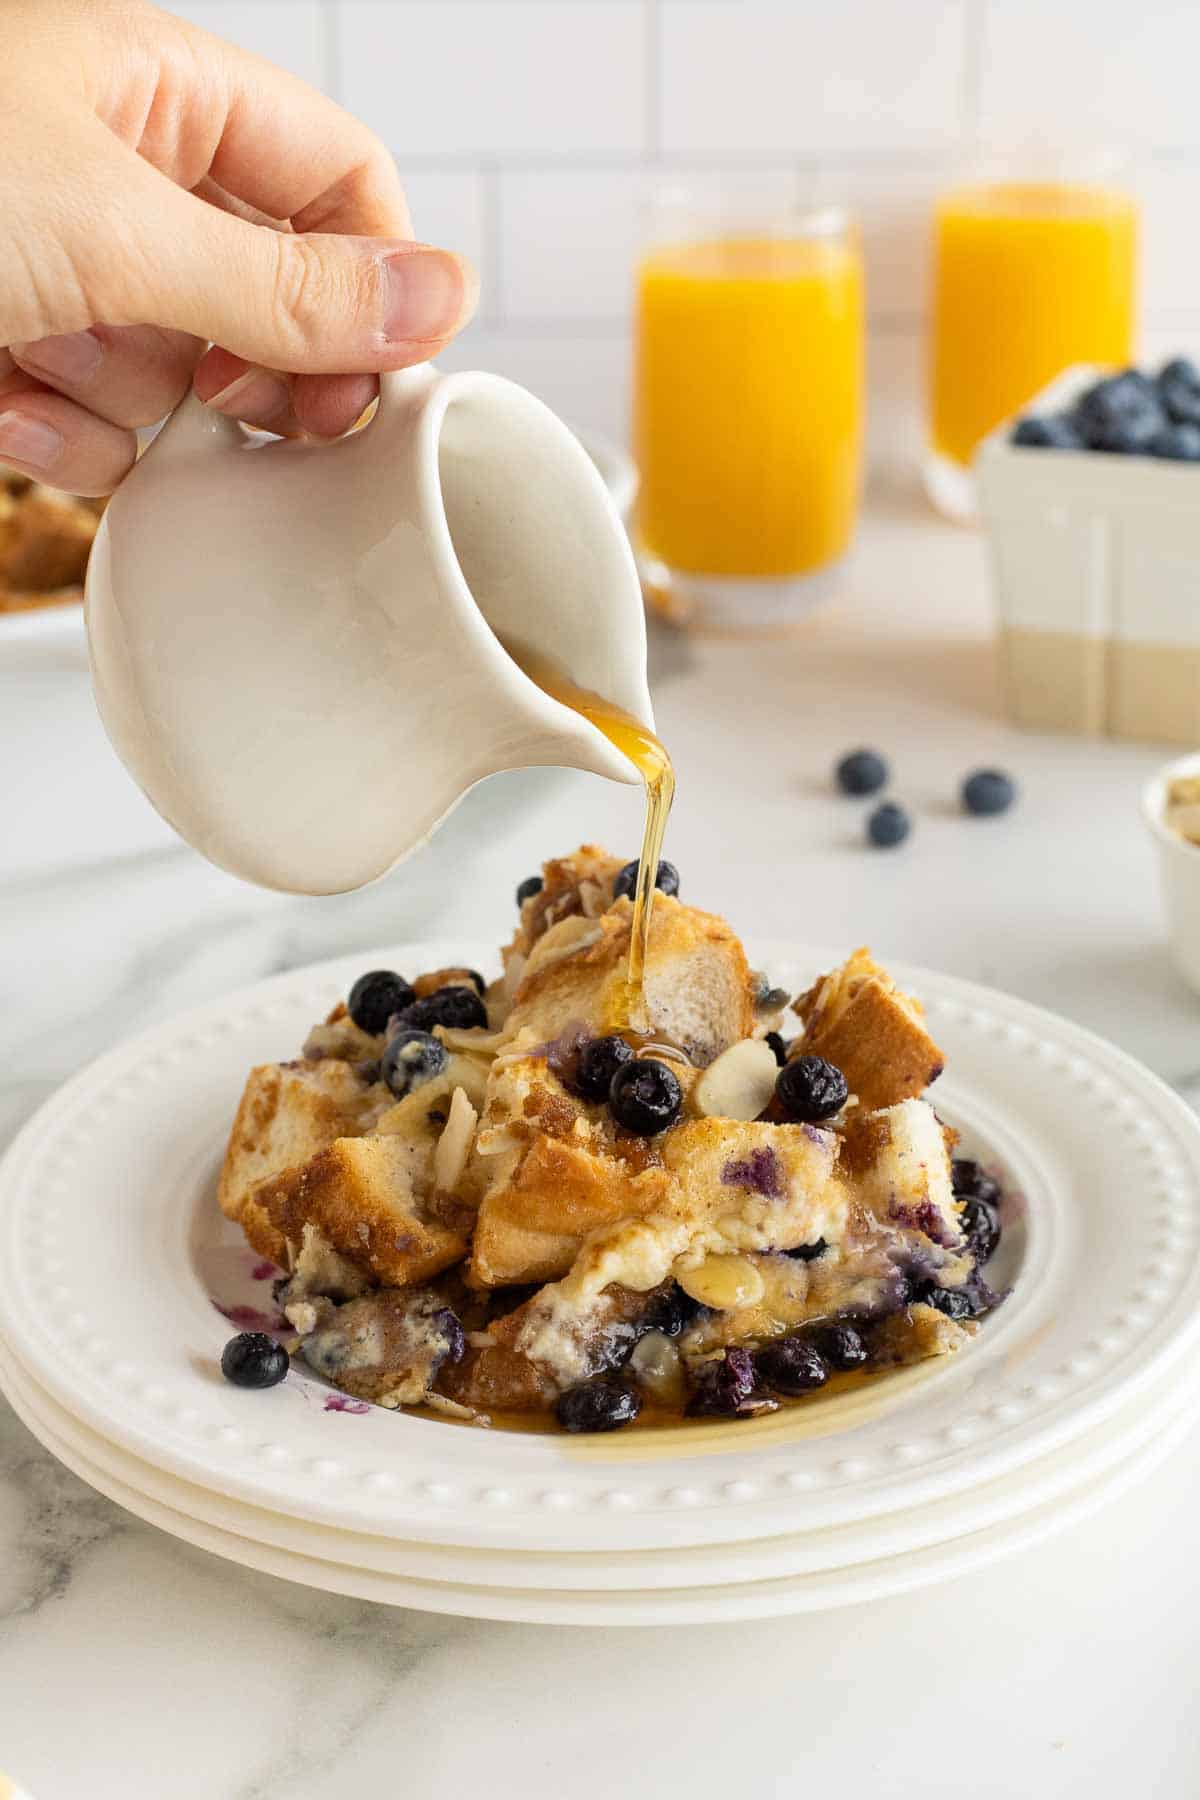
(112, 1255)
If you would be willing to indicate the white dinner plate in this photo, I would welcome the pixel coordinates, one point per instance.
(639, 1606)
(111, 1248)
(1119, 1441)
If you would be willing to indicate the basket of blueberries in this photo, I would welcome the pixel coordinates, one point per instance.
(1090, 505)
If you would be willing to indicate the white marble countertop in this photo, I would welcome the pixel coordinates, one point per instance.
(131, 1664)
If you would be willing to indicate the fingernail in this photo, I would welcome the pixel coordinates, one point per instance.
(73, 357)
(29, 441)
(257, 395)
(426, 293)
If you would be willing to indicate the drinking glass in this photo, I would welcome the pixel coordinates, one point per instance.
(748, 402)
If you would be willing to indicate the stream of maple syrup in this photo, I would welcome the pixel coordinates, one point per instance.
(652, 762)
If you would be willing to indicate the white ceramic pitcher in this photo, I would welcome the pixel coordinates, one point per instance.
(295, 647)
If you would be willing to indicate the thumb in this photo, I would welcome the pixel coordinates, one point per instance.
(307, 303)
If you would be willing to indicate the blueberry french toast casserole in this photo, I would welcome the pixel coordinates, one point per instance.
(495, 1202)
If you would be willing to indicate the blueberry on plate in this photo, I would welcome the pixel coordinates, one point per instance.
(459, 1008)
(861, 772)
(1121, 413)
(411, 1059)
(666, 881)
(810, 1089)
(532, 884)
(600, 1405)
(727, 1387)
(645, 1096)
(1177, 443)
(841, 1345)
(971, 1180)
(598, 1062)
(986, 792)
(1054, 431)
(980, 1222)
(375, 997)
(888, 825)
(254, 1360)
(791, 1365)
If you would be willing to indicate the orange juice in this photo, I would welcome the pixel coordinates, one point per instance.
(749, 403)
(1028, 278)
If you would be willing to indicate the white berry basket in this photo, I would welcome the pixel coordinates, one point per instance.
(1178, 868)
(1095, 568)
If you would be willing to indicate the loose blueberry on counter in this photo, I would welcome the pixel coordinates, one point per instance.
(1176, 443)
(645, 1096)
(840, 1345)
(598, 1062)
(411, 1059)
(971, 1181)
(1121, 414)
(986, 792)
(861, 772)
(791, 1365)
(888, 825)
(1054, 431)
(810, 1089)
(779, 1048)
(666, 881)
(808, 1252)
(458, 1008)
(727, 1388)
(254, 1360)
(599, 1405)
(375, 997)
(1179, 385)
(532, 884)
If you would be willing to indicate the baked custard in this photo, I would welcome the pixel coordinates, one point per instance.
(500, 1201)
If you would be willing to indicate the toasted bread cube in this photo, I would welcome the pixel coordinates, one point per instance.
(359, 1195)
(288, 1112)
(857, 1019)
(897, 1164)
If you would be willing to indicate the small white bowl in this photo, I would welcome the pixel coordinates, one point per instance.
(1179, 870)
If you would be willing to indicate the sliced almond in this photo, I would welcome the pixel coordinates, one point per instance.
(723, 1282)
(739, 1084)
(454, 1145)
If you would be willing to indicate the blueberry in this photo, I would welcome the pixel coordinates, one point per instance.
(669, 1311)
(666, 881)
(981, 1227)
(727, 1387)
(808, 1252)
(1181, 369)
(1056, 431)
(375, 997)
(1121, 413)
(254, 1360)
(600, 1405)
(645, 1096)
(459, 1008)
(971, 1181)
(411, 1059)
(791, 1365)
(889, 824)
(861, 772)
(1179, 385)
(778, 1047)
(532, 884)
(476, 980)
(988, 791)
(1177, 443)
(840, 1345)
(598, 1062)
(957, 1303)
(809, 1089)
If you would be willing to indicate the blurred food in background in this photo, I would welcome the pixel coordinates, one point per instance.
(45, 538)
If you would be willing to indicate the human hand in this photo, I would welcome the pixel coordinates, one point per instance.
(162, 189)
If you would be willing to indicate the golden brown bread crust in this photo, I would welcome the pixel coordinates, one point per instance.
(857, 1019)
(358, 1194)
(580, 885)
(45, 538)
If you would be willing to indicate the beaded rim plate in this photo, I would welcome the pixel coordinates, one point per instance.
(107, 1214)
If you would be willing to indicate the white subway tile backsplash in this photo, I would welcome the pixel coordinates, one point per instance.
(497, 77)
(447, 207)
(1098, 72)
(804, 76)
(1170, 248)
(583, 376)
(287, 32)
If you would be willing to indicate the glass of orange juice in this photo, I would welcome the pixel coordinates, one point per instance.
(748, 404)
(1029, 276)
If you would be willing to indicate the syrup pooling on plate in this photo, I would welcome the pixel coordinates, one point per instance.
(653, 763)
